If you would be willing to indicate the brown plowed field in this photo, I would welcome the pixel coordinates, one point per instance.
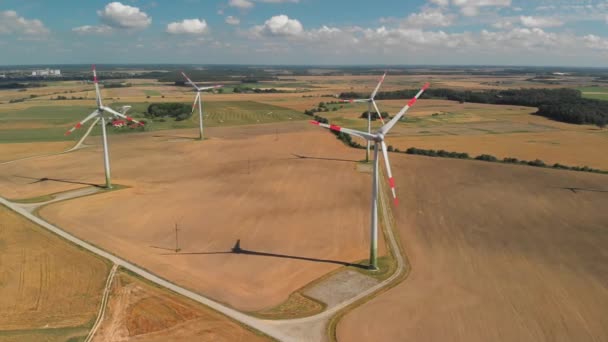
(498, 253)
(247, 184)
(49, 289)
(138, 311)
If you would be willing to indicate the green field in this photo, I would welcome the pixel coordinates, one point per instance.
(597, 93)
(152, 93)
(50, 123)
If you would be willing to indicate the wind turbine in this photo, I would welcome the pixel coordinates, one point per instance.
(370, 102)
(102, 113)
(199, 100)
(378, 139)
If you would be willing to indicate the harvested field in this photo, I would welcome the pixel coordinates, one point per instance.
(50, 290)
(267, 185)
(17, 151)
(497, 253)
(140, 311)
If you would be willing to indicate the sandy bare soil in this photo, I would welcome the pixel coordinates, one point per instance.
(138, 311)
(45, 283)
(498, 253)
(286, 210)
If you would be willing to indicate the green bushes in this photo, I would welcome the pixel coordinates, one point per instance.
(178, 111)
(374, 116)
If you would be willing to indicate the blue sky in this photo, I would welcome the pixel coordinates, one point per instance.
(489, 32)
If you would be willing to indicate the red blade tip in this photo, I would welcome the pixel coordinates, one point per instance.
(68, 133)
(426, 86)
(314, 122)
(396, 201)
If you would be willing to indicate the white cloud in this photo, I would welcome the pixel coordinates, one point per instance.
(241, 4)
(530, 21)
(279, 25)
(90, 29)
(594, 42)
(429, 17)
(471, 7)
(442, 3)
(188, 26)
(12, 23)
(230, 20)
(117, 15)
(503, 24)
(247, 4)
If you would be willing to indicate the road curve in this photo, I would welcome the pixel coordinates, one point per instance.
(311, 328)
(255, 323)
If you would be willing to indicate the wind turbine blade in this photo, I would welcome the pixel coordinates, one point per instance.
(378, 111)
(113, 112)
(97, 92)
(363, 135)
(198, 95)
(378, 86)
(190, 81)
(212, 87)
(391, 180)
(78, 125)
(384, 129)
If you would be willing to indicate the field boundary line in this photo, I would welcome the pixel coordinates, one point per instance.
(104, 303)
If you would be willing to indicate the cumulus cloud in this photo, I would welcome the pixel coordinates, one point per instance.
(188, 26)
(90, 29)
(246, 4)
(279, 25)
(594, 42)
(230, 20)
(442, 3)
(241, 4)
(12, 23)
(471, 7)
(530, 21)
(117, 15)
(430, 17)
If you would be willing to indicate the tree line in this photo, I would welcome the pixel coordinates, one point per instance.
(565, 105)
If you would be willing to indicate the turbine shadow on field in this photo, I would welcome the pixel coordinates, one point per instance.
(47, 179)
(236, 249)
(297, 156)
(577, 190)
(169, 136)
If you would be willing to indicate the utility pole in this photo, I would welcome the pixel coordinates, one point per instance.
(177, 249)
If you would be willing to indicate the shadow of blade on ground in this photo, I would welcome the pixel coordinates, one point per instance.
(238, 250)
(298, 156)
(47, 179)
(577, 190)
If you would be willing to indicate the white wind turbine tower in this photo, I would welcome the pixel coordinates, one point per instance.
(378, 139)
(199, 100)
(370, 102)
(102, 113)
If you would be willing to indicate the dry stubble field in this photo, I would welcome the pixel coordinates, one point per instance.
(49, 289)
(498, 253)
(252, 188)
(140, 311)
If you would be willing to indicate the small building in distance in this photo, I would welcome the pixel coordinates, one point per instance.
(46, 72)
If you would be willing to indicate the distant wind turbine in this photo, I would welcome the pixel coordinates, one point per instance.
(378, 139)
(199, 100)
(101, 113)
(370, 102)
